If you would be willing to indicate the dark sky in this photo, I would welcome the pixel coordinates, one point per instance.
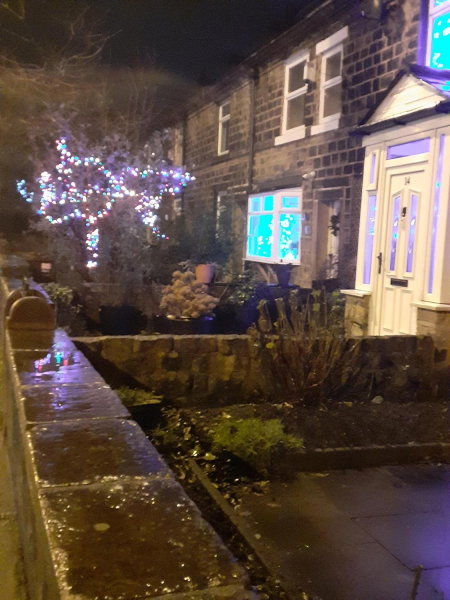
(197, 39)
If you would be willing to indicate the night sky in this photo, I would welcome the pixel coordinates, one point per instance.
(195, 39)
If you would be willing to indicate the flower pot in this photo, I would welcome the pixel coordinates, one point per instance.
(184, 326)
(121, 320)
(205, 273)
(283, 273)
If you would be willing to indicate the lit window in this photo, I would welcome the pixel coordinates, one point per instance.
(224, 128)
(369, 238)
(409, 149)
(436, 208)
(439, 34)
(331, 53)
(295, 88)
(274, 227)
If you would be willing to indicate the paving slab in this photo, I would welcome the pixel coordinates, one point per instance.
(415, 539)
(70, 402)
(54, 368)
(161, 543)
(434, 585)
(85, 452)
(319, 535)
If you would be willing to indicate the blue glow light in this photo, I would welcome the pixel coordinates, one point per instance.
(440, 42)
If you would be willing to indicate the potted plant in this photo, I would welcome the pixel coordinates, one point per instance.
(210, 243)
(240, 307)
(187, 306)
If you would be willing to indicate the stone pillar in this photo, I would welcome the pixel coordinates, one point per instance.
(356, 313)
(435, 323)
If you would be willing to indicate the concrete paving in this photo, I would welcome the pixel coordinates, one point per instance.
(357, 535)
(12, 578)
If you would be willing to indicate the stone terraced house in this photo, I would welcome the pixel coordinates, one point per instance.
(332, 146)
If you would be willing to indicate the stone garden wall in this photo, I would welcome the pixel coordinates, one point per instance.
(218, 370)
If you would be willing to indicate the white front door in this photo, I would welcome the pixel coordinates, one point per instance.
(400, 264)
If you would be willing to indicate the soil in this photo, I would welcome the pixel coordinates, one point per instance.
(342, 424)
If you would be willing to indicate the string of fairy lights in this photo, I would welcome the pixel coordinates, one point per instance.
(83, 188)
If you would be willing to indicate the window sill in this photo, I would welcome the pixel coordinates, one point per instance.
(324, 127)
(268, 261)
(291, 136)
(434, 306)
(356, 293)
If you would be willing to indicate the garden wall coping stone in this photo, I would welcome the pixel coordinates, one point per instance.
(100, 513)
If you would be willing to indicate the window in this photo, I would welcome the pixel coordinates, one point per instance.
(295, 88)
(219, 209)
(224, 128)
(439, 34)
(409, 149)
(274, 227)
(331, 52)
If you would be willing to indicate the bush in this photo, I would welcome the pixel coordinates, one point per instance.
(253, 440)
(305, 352)
(136, 397)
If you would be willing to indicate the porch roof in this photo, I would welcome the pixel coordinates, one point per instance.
(416, 93)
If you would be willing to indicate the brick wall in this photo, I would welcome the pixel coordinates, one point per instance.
(373, 53)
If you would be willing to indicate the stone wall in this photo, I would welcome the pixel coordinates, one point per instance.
(100, 514)
(220, 370)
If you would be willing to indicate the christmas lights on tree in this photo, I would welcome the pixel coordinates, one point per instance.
(84, 189)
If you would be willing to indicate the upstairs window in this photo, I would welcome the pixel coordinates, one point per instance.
(295, 88)
(439, 34)
(274, 227)
(331, 53)
(224, 128)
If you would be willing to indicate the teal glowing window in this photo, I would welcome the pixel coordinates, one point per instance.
(440, 40)
(268, 204)
(255, 204)
(290, 202)
(260, 236)
(289, 237)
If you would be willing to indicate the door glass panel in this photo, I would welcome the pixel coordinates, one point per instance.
(373, 167)
(395, 231)
(412, 232)
(289, 236)
(370, 233)
(409, 149)
(437, 200)
(260, 236)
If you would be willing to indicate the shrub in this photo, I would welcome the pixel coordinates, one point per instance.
(137, 397)
(61, 295)
(186, 297)
(253, 440)
(304, 351)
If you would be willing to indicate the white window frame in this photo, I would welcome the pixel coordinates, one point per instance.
(222, 121)
(324, 49)
(296, 133)
(277, 210)
(219, 207)
(433, 13)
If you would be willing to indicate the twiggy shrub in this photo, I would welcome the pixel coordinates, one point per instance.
(304, 351)
(253, 441)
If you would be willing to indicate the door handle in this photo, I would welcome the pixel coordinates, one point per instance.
(380, 261)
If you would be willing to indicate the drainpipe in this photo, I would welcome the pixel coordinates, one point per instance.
(251, 155)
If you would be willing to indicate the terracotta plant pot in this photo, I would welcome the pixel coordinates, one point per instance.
(205, 273)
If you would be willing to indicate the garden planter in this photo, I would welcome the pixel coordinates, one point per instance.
(205, 273)
(245, 317)
(121, 320)
(283, 273)
(184, 326)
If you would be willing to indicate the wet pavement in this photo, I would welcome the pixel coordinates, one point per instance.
(357, 535)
